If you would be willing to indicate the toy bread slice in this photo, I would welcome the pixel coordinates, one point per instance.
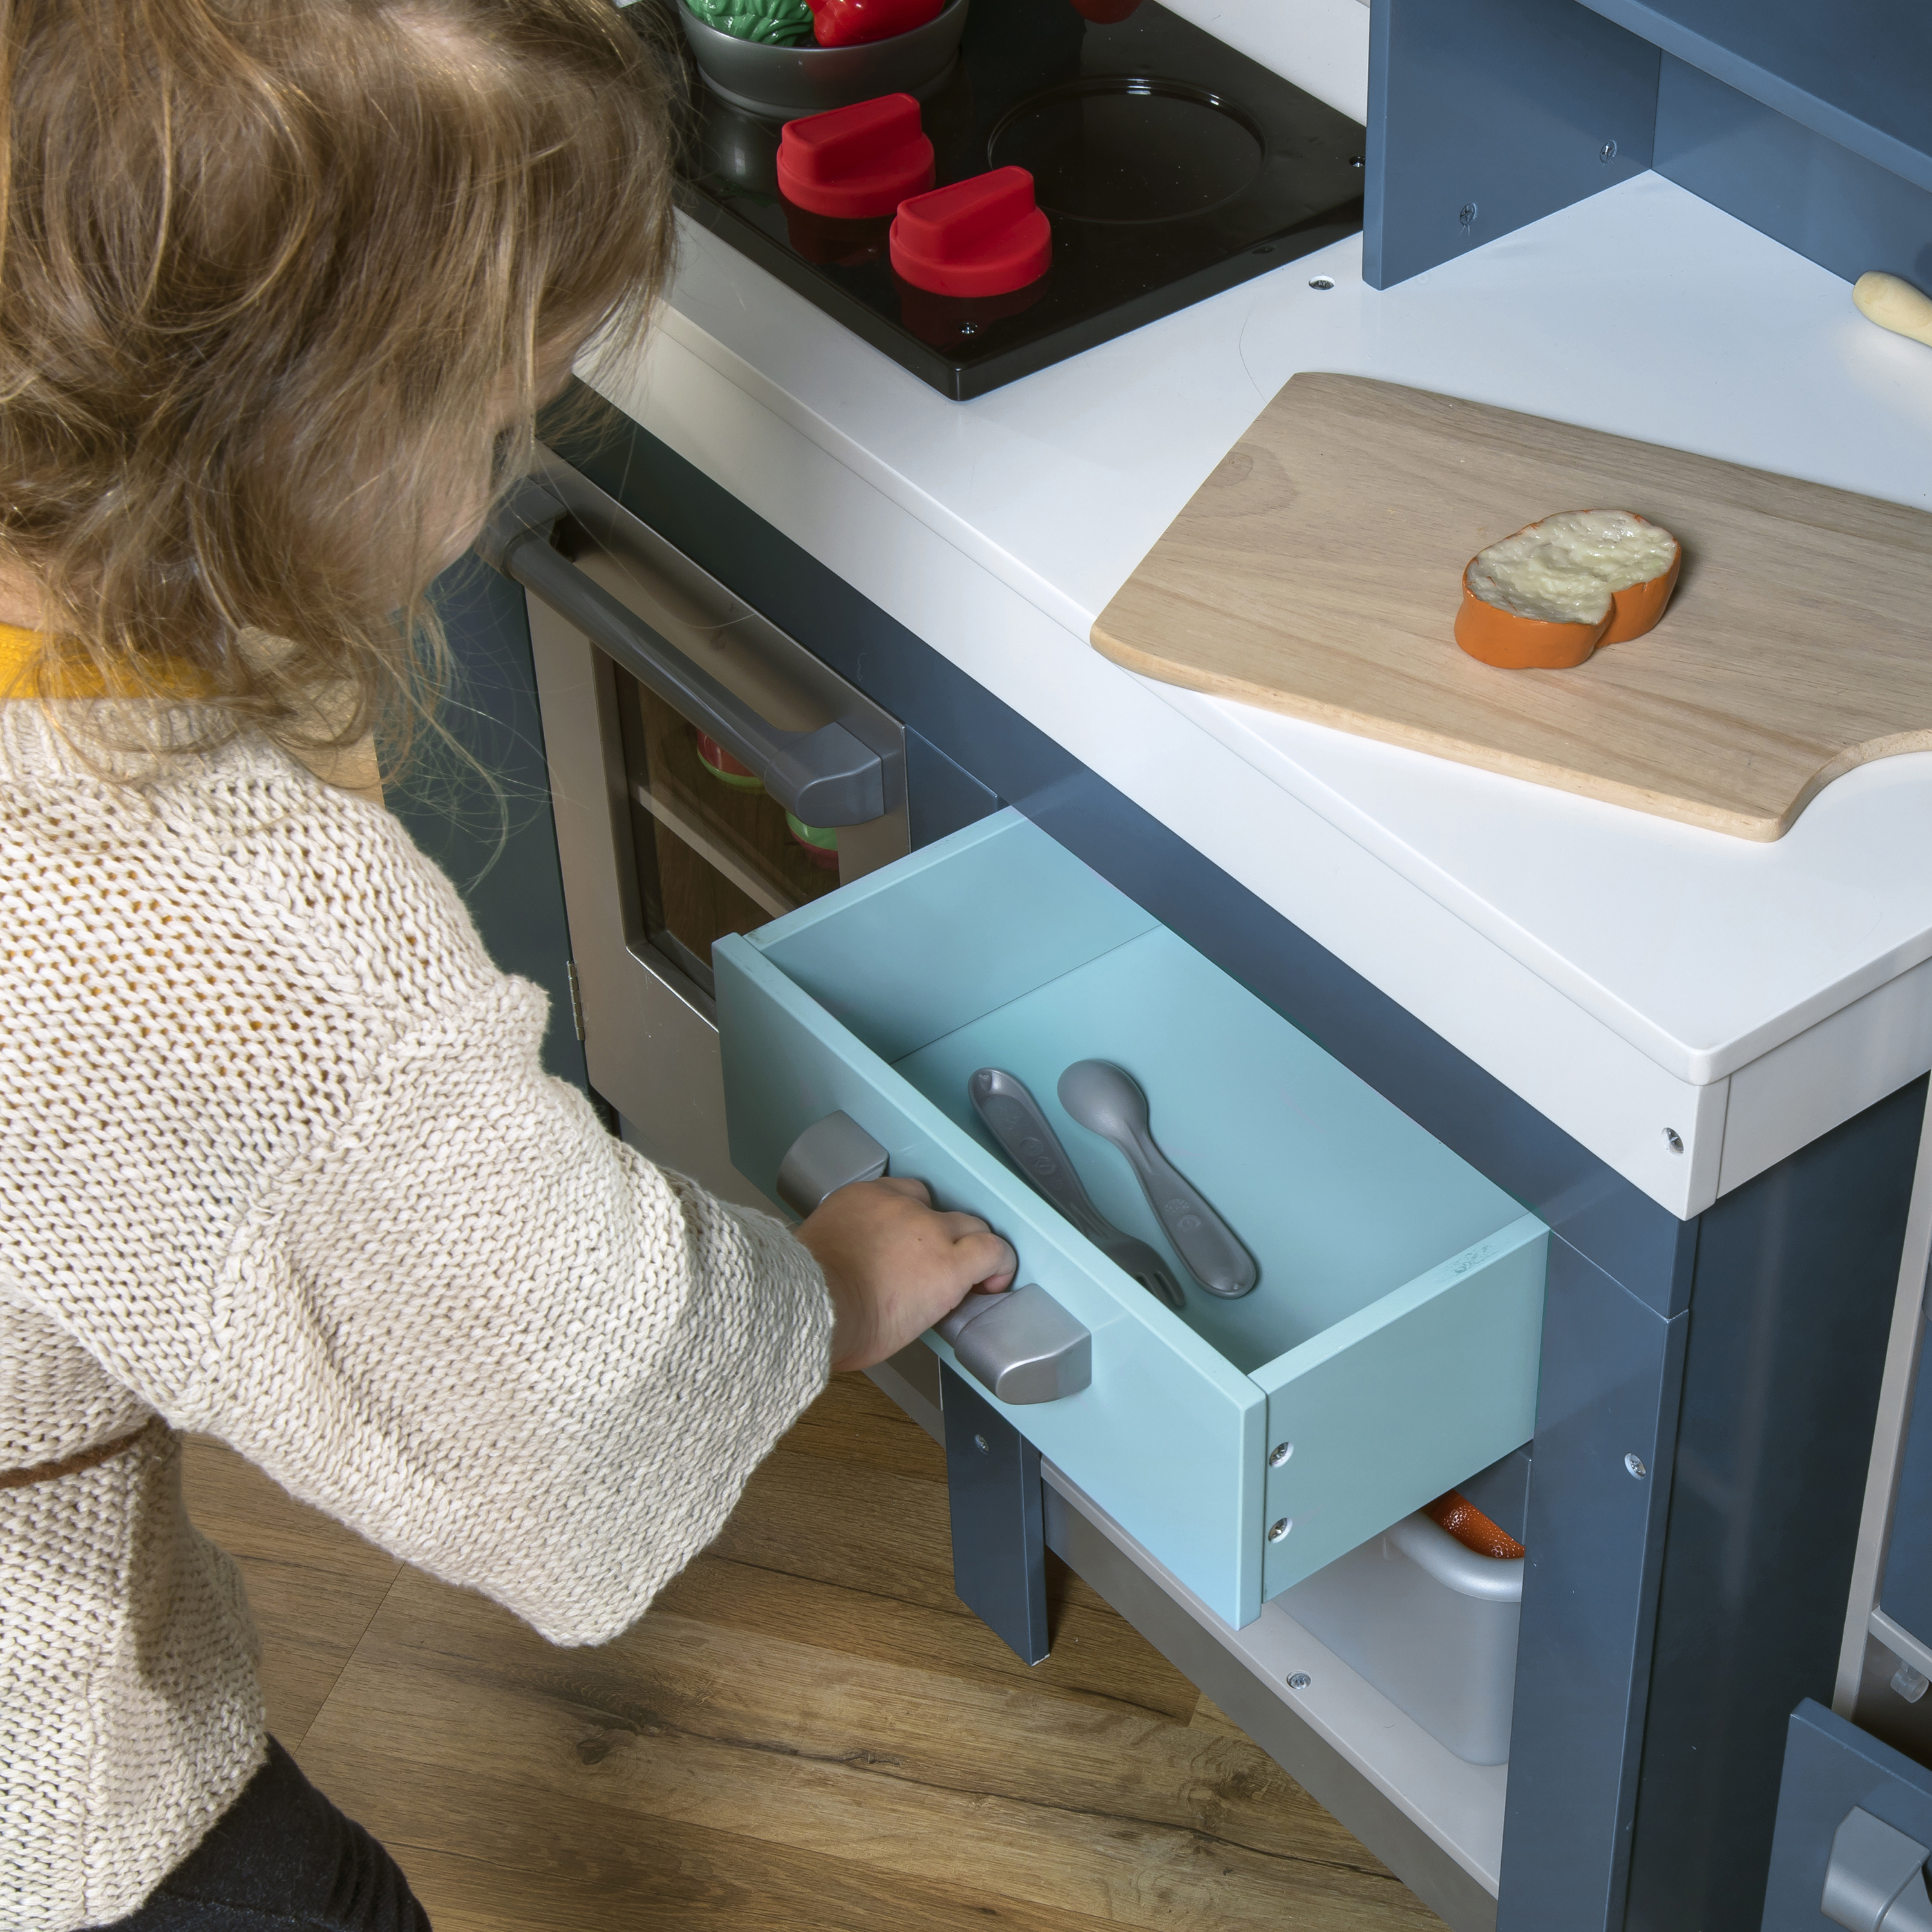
(1549, 596)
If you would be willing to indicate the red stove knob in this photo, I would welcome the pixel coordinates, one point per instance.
(855, 161)
(978, 237)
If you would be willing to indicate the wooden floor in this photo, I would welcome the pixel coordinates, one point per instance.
(808, 1733)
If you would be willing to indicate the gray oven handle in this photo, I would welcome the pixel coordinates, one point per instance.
(827, 777)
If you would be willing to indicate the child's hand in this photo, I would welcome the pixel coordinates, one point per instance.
(896, 1265)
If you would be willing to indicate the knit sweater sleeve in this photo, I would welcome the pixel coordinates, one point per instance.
(293, 1173)
(502, 1344)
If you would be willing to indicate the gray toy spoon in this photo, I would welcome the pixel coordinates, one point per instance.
(1106, 1101)
(1013, 1118)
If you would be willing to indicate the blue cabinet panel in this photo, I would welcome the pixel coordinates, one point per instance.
(1485, 115)
(478, 801)
(1905, 1594)
(1790, 1315)
(1612, 1373)
(1842, 211)
(998, 1509)
(1854, 71)
(1812, 123)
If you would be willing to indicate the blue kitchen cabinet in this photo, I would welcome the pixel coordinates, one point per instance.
(1810, 123)
(478, 801)
(1706, 1389)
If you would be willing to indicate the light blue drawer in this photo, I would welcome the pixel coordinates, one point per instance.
(1392, 1338)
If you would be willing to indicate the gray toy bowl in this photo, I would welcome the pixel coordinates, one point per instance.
(781, 83)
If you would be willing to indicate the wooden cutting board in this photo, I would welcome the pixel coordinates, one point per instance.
(1318, 570)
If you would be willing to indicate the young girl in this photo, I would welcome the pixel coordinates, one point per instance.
(281, 284)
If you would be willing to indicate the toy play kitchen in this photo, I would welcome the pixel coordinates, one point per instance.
(1461, 1126)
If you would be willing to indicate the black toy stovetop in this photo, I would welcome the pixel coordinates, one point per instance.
(1172, 168)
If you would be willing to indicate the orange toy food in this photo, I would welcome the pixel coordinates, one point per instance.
(1470, 1527)
(1548, 595)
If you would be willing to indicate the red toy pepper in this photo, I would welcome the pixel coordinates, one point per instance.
(845, 23)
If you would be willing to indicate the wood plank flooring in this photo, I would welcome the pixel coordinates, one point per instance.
(808, 1733)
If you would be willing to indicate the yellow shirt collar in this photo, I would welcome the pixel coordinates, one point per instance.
(19, 647)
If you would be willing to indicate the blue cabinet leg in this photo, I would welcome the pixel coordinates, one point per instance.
(1613, 1374)
(999, 1530)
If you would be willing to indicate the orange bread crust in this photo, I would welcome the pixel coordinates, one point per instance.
(1513, 643)
(1636, 611)
(1500, 637)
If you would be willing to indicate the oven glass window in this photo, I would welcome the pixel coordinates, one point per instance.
(716, 854)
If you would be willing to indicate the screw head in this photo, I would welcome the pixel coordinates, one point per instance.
(1279, 1454)
(1299, 1680)
(1634, 1463)
(1466, 215)
(1607, 152)
(979, 1443)
(1673, 1140)
(1280, 1528)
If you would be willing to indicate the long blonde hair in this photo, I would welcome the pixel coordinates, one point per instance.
(274, 274)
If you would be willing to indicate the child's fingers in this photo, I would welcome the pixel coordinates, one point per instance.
(986, 1260)
(958, 1224)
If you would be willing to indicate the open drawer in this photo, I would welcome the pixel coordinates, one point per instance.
(1390, 1348)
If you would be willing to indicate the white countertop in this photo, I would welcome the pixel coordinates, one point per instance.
(1621, 971)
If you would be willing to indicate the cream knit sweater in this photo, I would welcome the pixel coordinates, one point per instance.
(278, 1161)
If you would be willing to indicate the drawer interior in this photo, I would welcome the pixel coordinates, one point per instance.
(1037, 963)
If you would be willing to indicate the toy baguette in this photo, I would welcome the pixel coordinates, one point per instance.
(1549, 596)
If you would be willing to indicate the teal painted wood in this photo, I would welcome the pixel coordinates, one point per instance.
(1397, 1317)
(950, 932)
(1339, 1198)
(1443, 1371)
(1167, 1437)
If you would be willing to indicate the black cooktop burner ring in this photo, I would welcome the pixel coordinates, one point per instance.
(1132, 96)
(1180, 151)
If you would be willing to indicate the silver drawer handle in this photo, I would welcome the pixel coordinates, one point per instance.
(826, 777)
(1022, 1344)
(830, 1154)
(1875, 1880)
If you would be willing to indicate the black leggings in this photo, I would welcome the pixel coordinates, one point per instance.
(281, 1859)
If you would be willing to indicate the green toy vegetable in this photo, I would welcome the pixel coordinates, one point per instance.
(778, 23)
